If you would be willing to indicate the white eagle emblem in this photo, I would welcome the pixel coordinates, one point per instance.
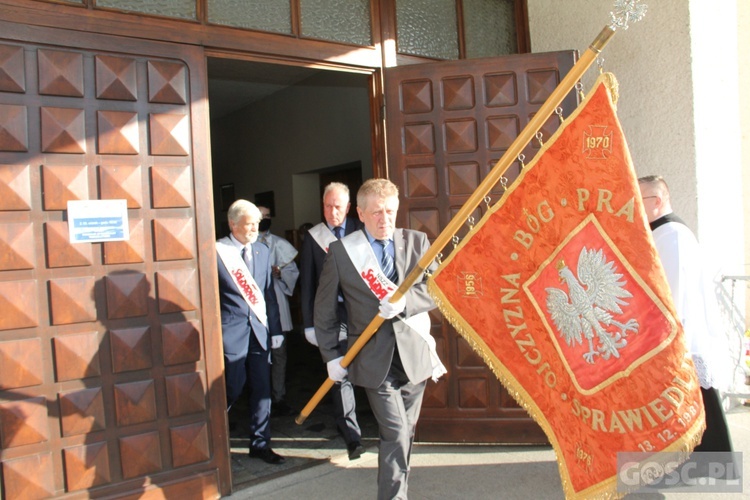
(587, 309)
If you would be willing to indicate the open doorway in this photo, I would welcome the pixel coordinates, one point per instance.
(280, 133)
(278, 128)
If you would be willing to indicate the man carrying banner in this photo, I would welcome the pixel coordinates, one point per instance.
(695, 302)
(393, 367)
(249, 318)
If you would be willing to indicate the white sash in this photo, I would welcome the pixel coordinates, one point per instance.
(322, 235)
(420, 323)
(363, 258)
(242, 279)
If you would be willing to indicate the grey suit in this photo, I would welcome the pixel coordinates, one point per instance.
(394, 365)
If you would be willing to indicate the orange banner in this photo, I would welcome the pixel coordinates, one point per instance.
(560, 289)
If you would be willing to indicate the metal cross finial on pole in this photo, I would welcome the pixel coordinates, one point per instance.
(627, 10)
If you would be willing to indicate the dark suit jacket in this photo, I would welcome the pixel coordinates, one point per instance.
(311, 265)
(370, 367)
(237, 319)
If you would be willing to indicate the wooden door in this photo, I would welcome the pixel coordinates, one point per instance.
(447, 125)
(110, 353)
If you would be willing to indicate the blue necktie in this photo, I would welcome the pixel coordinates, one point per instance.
(386, 262)
(246, 257)
(337, 232)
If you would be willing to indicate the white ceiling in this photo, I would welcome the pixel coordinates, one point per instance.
(234, 84)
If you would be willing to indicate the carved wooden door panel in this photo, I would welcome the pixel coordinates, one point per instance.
(110, 353)
(447, 125)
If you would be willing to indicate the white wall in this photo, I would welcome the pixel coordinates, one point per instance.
(271, 145)
(717, 131)
(679, 72)
(307, 200)
(743, 44)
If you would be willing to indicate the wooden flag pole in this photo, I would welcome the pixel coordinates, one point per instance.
(493, 177)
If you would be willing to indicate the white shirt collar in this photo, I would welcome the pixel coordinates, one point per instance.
(239, 245)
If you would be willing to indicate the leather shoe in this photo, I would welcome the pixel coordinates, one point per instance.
(355, 450)
(281, 409)
(267, 455)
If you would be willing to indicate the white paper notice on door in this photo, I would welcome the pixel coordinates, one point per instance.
(91, 221)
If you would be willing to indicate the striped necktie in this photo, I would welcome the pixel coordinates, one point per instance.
(386, 262)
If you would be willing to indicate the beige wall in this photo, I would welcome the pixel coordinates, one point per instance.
(683, 109)
(651, 60)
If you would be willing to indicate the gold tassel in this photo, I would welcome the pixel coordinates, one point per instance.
(613, 86)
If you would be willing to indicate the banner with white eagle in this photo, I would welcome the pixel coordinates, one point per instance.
(559, 288)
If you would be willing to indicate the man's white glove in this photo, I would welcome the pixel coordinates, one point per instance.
(277, 341)
(343, 332)
(310, 336)
(390, 309)
(336, 372)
